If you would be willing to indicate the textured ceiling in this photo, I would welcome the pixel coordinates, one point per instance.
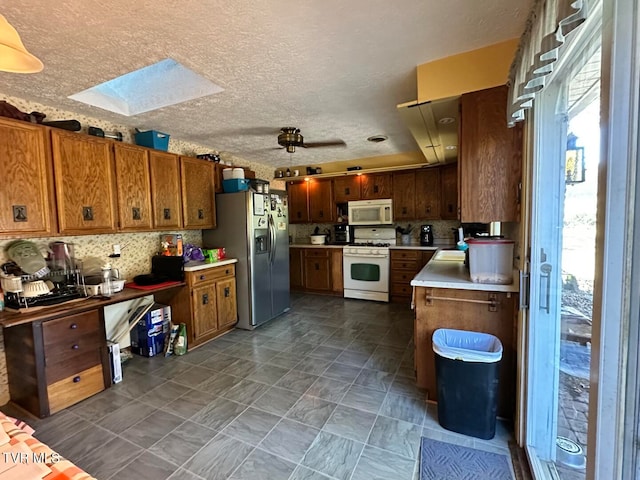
(333, 68)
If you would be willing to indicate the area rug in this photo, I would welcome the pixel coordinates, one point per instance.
(446, 461)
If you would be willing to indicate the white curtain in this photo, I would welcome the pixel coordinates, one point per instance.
(548, 25)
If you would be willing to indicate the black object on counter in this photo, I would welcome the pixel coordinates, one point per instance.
(170, 267)
(98, 132)
(426, 235)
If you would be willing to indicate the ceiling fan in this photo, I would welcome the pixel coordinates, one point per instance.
(290, 138)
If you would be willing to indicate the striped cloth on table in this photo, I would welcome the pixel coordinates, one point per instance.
(61, 469)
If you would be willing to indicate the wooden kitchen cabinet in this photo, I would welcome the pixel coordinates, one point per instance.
(449, 192)
(404, 196)
(198, 193)
(226, 303)
(376, 185)
(473, 310)
(298, 202)
(207, 305)
(428, 193)
(27, 202)
(296, 274)
(404, 266)
(57, 363)
(317, 269)
(133, 187)
(85, 183)
(321, 204)
(337, 279)
(490, 159)
(346, 188)
(166, 202)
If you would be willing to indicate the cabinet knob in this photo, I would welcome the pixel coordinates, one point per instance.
(136, 213)
(375, 189)
(73, 326)
(428, 209)
(227, 272)
(76, 379)
(321, 214)
(227, 291)
(87, 213)
(75, 346)
(200, 214)
(202, 277)
(205, 298)
(19, 213)
(347, 191)
(167, 214)
(317, 266)
(404, 210)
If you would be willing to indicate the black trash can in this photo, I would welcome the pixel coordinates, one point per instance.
(467, 371)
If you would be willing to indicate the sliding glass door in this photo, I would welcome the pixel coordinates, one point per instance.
(562, 259)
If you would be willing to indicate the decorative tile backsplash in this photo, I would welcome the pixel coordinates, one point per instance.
(442, 230)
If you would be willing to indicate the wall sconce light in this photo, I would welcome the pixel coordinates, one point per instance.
(14, 57)
(574, 166)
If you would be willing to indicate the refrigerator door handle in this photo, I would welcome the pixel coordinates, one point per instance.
(274, 244)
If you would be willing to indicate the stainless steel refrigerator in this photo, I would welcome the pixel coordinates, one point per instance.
(254, 228)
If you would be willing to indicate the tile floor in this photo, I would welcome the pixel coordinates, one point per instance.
(325, 391)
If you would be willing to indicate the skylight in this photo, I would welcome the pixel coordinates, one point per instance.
(159, 85)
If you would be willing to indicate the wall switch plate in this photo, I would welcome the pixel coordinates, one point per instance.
(116, 249)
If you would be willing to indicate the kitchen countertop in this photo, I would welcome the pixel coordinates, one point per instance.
(308, 245)
(195, 266)
(453, 274)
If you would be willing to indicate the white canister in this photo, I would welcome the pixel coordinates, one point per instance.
(237, 173)
(227, 174)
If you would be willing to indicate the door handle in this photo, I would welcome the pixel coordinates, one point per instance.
(167, 214)
(545, 274)
(227, 291)
(205, 298)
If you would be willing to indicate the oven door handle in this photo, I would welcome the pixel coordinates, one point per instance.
(356, 255)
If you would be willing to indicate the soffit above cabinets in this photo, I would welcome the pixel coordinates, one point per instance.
(434, 126)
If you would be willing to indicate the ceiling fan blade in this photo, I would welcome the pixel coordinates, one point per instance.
(327, 143)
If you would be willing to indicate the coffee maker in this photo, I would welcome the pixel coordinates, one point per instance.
(341, 233)
(426, 235)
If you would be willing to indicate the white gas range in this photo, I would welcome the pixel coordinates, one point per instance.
(365, 264)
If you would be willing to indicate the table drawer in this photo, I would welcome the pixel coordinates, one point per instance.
(405, 254)
(68, 329)
(70, 348)
(409, 265)
(210, 275)
(57, 370)
(75, 388)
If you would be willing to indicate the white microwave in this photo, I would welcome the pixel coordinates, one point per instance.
(371, 212)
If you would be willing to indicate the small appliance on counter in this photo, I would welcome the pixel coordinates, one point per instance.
(341, 234)
(426, 235)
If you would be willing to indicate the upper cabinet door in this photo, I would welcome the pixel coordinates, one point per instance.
(165, 190)
(27, 182)
(490, 159)
(449, 188)
(404, 192)
(376, 185)
(133, 187)
(347, 188)
(428, 193)
(198, 196)
(321, 205)
(298, 202)
(85, 183)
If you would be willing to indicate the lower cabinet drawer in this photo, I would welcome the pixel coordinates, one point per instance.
(401, 289)
(411, 265)
(402, 277)
(55, 371)
(210, 274)
(75, 388)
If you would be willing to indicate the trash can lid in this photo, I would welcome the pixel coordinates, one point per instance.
(467, 346)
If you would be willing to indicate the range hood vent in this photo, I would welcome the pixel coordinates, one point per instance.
(434, 125)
